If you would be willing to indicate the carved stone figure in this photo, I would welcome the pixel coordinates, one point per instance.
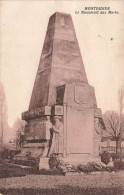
(57, 138)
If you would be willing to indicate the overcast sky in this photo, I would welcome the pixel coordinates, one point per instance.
(101, 39)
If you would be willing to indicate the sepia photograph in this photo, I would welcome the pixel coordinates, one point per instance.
(61, 97)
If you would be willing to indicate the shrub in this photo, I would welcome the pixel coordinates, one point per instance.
(4, 153)
(105, 157)
(53, 161)
(56, 163)
(84, 168)
(95, 166)
(89, 167)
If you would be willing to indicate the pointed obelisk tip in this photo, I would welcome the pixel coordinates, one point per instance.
(60, 13)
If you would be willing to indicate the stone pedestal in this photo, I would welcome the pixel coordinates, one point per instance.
(44, 164)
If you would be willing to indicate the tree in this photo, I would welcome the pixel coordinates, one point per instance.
(3, 114)
(121, 109)
(19, 128)
(114, 130)
(114, 122)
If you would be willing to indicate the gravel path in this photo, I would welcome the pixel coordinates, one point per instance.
(75, 184)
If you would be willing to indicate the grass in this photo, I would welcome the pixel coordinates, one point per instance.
(34, 184)
(9, 170)
(67, 190)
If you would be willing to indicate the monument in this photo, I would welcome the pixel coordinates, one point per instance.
(62, 99)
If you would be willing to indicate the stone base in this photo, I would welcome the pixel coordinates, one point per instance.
(71, 159)
(75, 159)
(44, 164)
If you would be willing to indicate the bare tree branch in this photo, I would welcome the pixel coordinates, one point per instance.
(113, 125)
(19, 127)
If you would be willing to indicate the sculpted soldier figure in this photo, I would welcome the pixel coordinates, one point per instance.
(57, 138)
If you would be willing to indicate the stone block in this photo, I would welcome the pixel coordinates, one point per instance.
(37, 112)
(57, 110)
(110, 164)
(44, 164)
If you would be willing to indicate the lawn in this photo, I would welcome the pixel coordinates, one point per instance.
(8, 170)
(33, 184)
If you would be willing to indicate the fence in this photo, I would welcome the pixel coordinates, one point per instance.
(112, 149)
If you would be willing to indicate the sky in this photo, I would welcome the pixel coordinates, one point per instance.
(23, 26)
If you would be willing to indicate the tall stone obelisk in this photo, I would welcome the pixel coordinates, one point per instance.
(61, 88)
